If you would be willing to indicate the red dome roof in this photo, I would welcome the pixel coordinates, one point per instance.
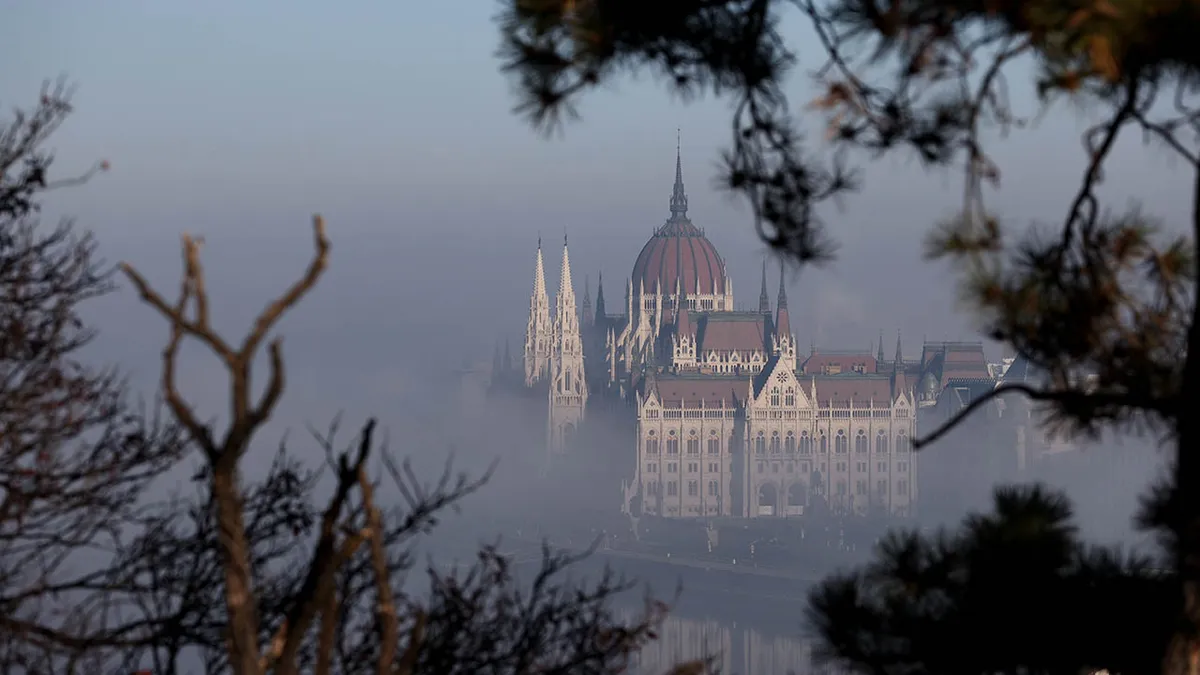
(679, 250)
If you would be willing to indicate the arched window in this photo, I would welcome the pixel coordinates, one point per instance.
(805, 443)
(651, 446)
(789, 397)
(841, 444)
(672, 444)
(824, 444)
(860, 442)
(714, 444)
(901, 442)
(881, 442)
(789, 443)
(693, 444)
(774, 442)
(760, 444)
(775, 396)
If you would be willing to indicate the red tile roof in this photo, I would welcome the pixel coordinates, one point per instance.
(861, 390)
(819, 362)
(688, 392)
(733, 332)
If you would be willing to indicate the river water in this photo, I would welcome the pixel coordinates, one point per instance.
(749, 627)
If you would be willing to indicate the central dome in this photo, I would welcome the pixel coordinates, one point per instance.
(679, 251)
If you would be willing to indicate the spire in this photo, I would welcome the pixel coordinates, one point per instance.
(539, 273)
(538, 330)
(899, 383)
(879, 356)
(600, 297)
(587, 301)
(783, 322)
(564, 274)
(678, 195)
(764, 301)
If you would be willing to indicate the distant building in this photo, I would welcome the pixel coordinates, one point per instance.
(727, 418)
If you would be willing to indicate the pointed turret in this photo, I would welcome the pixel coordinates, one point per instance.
(588, 317)
(879, 356)
(679, 202)
(764, 300)
(600, 312)
(785, 342)
(899, 383)
(783, 321)
(539, 330)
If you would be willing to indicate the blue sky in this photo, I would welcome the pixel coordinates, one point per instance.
(236, 120)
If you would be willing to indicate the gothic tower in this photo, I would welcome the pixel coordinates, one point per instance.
(568, 388)
(538, 332)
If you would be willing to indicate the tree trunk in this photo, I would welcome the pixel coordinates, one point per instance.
(242, 636)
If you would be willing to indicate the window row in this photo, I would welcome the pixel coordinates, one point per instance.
(693, 488)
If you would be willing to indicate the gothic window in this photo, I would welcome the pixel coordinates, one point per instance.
(672, 488)
(789, 443)
(672, 446)
(714, 444)
(860, 442)
(712, 488)
(775, 396)
(693, 445)
(653, 488)
(860, 487)
(841, 444)
(881, 487)
(789, 397)
(824, 443)
(774, 442)
(881, 442)
(567, 380)
(693, 488)
(902, 487)
(760, 444)
(805, 443)
(901, 442)
(651, 446)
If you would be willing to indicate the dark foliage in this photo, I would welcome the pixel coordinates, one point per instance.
(1012, 591)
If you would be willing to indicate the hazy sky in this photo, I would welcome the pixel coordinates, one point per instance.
(237, 120)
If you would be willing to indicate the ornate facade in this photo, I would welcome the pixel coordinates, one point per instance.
(731, 421)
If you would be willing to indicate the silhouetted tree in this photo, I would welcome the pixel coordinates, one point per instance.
(74, 454)
(302, 591)
(1101, 304)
